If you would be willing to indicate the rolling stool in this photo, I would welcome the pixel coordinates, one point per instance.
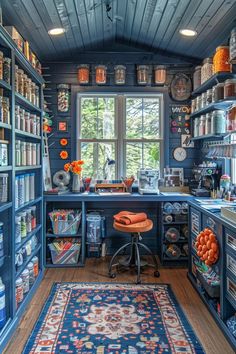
(135, 244)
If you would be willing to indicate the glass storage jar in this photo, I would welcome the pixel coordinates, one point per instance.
(120, 71)
(27, 122)
(232, 45)
(83, 74)
(1, 65)
(208, 123)
(209, 97)
(193, 105)
(17, 117)
(203, 100)
(23, 153)
(18, 153)
(231, 119)
(221, 60)
(63, 98)
(101, 74)
(37, 95)
(218, 122)
(6, 110)
(206, 70)
(19, 291)
(230, 88)
(198, 103)
(196, 127)
(142, 74)
(218, 92)
(160, 74)
(7, 70)
(202, 124)
(27, 88)
(22, 119)
(20, 82)
(33, 98)
(35, 262)
(16, 78)
(197, 77)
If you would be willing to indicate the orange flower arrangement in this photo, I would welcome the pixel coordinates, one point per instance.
(74, 167)
(63, 155)
(63, 141)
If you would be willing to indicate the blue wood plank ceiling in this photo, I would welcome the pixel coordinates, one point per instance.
(148, 25)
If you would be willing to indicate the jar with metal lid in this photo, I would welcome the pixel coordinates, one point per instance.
(101, 74)
(160, 74)
(198, 103)
(142, 74)
(22, 216)
(221, 60)
(18, 153)
(218, 92)
(1, 240)
(83, 74)
(218, 125)
(21, 82)
(232, 45)
(7, 70)
(202, 124)
(30, 268)
(193, 105)
(6, 110)
(209, 97)
(28, 154)
(22, 119)
(208, 123)
(120, 72)
(203, 100)
(38, 132)
(33, 154)
(197, 77)
(21, 191)
(25, 279)
(230, 88)
(17, 117)
(231, 119)
(38, 153)
(196, 127)
(63, 98)
(19, 291)
(27, 88)
(26, 184)
(1, 65)
(33, 123)
(37, 95)
(16, 79)
(34, 217)
(27, 122)
(206, 69)
(33, 97)
(3, 187)
(4, 152)
(23, 153)
(35, 262)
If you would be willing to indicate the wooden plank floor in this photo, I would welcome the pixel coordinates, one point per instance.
(207, 331)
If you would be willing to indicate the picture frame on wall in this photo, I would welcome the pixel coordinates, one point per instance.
(62, 125)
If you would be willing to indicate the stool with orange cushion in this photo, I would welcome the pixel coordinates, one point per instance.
(133, 259)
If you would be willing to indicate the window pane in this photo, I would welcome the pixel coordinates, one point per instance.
(134, 118)
(142, 118)
(97, 117)
(151, 118)
(96, 157)
(141, 155)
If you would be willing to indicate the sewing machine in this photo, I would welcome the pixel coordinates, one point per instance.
(148, 181)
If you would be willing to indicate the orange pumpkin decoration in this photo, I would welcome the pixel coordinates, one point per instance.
(63, 155)
(207, 246)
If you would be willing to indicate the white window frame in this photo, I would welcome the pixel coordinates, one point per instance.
(120, 124)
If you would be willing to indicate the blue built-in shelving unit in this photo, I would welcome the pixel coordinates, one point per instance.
(8, 270)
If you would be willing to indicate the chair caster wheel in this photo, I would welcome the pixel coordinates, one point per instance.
(138, 282)
(112, 275)
(156, 274)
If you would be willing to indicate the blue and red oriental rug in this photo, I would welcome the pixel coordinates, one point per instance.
(100, 318)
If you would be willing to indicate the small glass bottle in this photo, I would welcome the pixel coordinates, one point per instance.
(83, 74)
(120, 71)
(160, 74)
(142, 74)
(101, 74)
(7, 70)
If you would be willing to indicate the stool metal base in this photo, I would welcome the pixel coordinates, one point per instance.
(133, 260)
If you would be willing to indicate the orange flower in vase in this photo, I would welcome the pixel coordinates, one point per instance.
(76, 169)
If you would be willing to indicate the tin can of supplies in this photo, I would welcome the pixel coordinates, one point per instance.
(3, 187)
(4, 152)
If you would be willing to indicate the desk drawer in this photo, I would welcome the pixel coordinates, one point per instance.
(231, 290)
(231, 264)
(230, 241)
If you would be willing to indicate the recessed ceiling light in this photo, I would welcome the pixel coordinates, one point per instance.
(56, 31)
(188, 32)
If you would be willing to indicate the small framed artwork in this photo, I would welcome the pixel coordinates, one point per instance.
(186, 141)
(62, 126)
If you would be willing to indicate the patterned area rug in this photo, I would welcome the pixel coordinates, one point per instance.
(112, 318)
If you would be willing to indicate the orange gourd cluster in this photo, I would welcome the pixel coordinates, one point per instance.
(207, 247)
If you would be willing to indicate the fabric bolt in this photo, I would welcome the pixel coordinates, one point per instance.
(127, 218)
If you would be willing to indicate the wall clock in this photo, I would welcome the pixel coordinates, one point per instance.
(179, 154)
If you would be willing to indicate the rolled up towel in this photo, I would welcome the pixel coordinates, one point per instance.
(128, 218)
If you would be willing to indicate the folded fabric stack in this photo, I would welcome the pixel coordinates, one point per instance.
(128, 217)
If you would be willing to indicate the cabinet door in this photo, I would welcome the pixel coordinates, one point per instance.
(230, 239)
(195, 221)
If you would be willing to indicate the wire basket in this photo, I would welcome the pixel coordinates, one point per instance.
(70, 256)
(66, 227)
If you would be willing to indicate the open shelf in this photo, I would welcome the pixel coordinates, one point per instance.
(5, 206)
(26, 262)
(180, 259)
(27, 104)
(215, 79)
(24, 168)
(208, 136)
(50, 265)
(26, 134)
(5, 168)
(222, 104)
(5, 85)
(27, 238)
(5, 125)
(62, 235)
(26, 205)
